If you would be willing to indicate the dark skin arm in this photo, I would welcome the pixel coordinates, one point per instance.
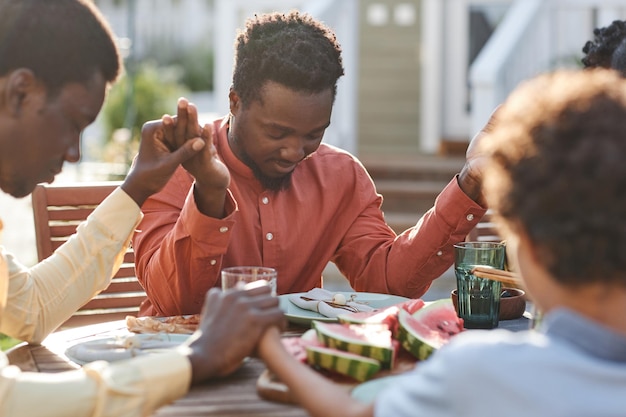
(157, 160)
(231, 324)
(471, 175)
(211, 175)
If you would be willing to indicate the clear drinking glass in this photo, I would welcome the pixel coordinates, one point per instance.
(479, 298)
(239, 276)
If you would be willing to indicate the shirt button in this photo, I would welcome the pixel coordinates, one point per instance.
(223, 229)
(265, 200)
(213, 262)
(470, 217)
(439, 253)
(269, 236)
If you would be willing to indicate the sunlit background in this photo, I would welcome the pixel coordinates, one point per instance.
(422, 76)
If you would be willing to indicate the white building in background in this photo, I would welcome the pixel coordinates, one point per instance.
(160, 24)
(442, 67)
(534, 36)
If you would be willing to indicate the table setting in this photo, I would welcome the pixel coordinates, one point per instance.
(487, 297)
(313, 316)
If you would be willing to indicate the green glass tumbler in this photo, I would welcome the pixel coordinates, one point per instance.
(479, 298)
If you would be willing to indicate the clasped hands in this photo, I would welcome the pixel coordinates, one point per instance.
(211, 175)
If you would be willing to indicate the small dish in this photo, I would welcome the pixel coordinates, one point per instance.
(122, 346)
(511, 306)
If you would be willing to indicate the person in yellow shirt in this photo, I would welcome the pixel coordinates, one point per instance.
(57, 58)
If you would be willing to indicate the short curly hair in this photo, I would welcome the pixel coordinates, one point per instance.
(60, 41)
(608, 48)
(291, 49)
(557, 172)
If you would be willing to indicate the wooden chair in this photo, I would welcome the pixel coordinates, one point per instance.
(484, 231)
(57, 210)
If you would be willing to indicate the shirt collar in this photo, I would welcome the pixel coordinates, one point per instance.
(595, 339)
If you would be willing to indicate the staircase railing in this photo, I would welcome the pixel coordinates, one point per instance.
(535, 36)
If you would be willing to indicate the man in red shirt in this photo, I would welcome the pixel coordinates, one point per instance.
(269, 192)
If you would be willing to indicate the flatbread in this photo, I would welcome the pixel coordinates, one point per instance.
(173, 324)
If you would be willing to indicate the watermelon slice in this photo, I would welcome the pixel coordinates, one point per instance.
(429, 328)
(370, 341)
(296, 346)
(387, 316)
(345, 363)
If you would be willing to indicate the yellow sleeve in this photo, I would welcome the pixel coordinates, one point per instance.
(40, 298)
(135, 387)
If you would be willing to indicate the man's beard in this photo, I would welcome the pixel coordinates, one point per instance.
(269, 183)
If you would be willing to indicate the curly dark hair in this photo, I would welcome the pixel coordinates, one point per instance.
(558, 172)
(61, 41)
(608, 48)
(290, 49)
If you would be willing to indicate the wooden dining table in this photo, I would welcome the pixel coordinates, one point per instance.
(232, 396)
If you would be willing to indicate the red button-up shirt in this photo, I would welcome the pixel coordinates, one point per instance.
(331, 212)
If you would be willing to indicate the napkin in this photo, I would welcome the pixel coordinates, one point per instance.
(321, 301)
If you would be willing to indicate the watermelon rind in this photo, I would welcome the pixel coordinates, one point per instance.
(355, 366)
(421, 341)
(378, 346)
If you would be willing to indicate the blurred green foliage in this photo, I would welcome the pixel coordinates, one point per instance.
(7, 342)
(197, 65)
(152, 94)
(194, 63)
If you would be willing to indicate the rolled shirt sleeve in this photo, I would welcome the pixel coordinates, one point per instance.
(135, 387)
(40, 298)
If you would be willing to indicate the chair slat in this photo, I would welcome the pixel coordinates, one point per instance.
(104, 301)
(58, 210)
(63, 230)
(129, 257)
(123, 285)
(126, 270)
(69, 213)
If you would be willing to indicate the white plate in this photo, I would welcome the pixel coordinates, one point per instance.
(123, 346)
(301, 316)
(368, 391)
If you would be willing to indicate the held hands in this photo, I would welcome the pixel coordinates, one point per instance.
(231, 325)
(158, 158)
(471, 175)
(205, 167)
(211, 175)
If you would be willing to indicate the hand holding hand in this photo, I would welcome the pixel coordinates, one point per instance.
(205, 167)
(471, 176)
(231, 325)
(157, 160)
(211, 175)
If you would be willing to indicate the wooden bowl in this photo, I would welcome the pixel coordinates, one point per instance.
(511, 307)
